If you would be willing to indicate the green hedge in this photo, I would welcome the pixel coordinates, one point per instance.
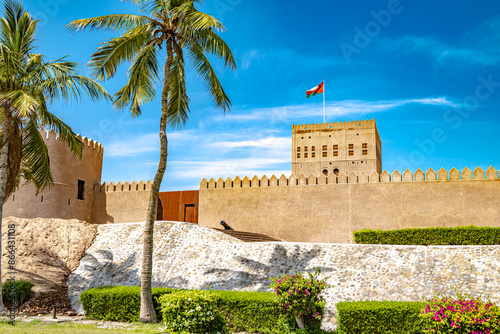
(464, 235)
(22, 293)
(371, 317)
(117, 303)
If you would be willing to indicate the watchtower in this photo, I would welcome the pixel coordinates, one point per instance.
(336, 147)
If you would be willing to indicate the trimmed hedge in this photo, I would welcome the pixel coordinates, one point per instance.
(463, 235)
(372, 317)
(117, 303)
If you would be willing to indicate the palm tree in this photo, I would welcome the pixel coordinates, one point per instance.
(182, 30)
(28, 85)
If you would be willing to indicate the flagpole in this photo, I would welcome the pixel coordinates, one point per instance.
(324, 99)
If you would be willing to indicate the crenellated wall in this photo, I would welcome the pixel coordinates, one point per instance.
(61, 199)
(121, 202)
(330, 208)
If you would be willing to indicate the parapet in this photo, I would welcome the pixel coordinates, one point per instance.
(88, 143)
(123, 187)
(349, 125)
(454, 175)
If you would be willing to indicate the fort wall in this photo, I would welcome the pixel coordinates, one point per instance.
(330, 209)
(61, 200)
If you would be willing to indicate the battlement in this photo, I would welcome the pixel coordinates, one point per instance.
(127, 186)
(349, 125)
(51, 137)
(353, 178)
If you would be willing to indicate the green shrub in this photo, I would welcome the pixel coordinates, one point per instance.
(299, 296)
(462, 314)
(191, 312)
(372, 317)
(22, 293)
(464, 235)
(117, 303)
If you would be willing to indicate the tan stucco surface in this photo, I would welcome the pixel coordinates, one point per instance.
(332, 212)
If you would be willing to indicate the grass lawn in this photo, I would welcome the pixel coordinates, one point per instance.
(72, 328)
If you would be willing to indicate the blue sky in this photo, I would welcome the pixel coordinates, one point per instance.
(427, 71)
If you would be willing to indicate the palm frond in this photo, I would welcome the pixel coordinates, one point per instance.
(117, 50)
(36, 156)
(143, 75)
(75, 87)
(150, 7)
(201, 21)
(23, 104)
(110, 22)
(204, 69)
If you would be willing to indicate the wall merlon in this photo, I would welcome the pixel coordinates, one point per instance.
(128, 186)
(442, 174)
(407, 176)
(430, 175)
(419, 175)
(466, 174)
(478, 174)
(396, 176)
(491, 173)
(361, 124)
(211, 183)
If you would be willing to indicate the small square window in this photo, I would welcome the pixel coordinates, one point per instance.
(298, 155)
(365, 145)
(365, 152)
(335, 153)
(313, 148)
(305, 149)
(335, 147)
(351, 152)
(305, 155)
(313, 154)
(298, 149)
(325, 154)
(351, 146)
(325, 147)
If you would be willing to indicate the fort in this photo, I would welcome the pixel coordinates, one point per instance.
(337, 186)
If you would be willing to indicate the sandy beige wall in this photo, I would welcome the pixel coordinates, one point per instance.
(331, 212)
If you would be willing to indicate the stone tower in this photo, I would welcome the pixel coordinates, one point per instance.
(336, 147)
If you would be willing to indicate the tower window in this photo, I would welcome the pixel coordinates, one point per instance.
(365, 152)
(365, 145)
(305, 155)
(313, 154)
(305, 149)
(351, 152)
(41, 200)
(298, 149)
(325, 172)
(335, 153)
(313, 148)
(325, 154)
(351, 146)
(325, 147)
(335, 147)
(298, 155)
(336, 171)
(81, 190)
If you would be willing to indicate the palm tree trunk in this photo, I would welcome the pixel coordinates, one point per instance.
(148, 313)
(4, 158)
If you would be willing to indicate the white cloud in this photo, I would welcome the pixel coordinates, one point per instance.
(145, 143)
(275, 143)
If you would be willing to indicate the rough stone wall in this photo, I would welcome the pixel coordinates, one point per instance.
(47, 250)
(330, 209)
(194, 257)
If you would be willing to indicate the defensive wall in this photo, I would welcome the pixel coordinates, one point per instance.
(188, 256)
(330, 208)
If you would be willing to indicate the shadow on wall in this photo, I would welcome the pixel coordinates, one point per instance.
(258, 273)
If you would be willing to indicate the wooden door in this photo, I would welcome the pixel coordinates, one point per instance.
(190, 213)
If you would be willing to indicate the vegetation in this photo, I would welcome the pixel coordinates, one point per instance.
(372, 317)
(299, 296)
(23, 292)
(39, 327)
(463, 314)
(464, 235)
(179, 28)
(28, 85)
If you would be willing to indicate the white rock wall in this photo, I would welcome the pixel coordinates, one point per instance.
(189, 256)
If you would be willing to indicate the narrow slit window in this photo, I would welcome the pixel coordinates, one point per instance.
(305, 155)
(81, 190)
(313, 148)
(313, 154)
(41, 199)
(298, 155)
(305, 149)
(298, 149)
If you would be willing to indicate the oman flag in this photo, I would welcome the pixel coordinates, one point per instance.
(316, 90)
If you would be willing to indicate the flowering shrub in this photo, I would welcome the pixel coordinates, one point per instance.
(300, 295)
(461, 315)
(191, 312)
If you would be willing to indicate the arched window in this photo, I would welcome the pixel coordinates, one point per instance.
(325, 171)
(336, 171)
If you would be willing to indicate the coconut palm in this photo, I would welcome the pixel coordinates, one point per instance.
(28, 85)
(177, 27)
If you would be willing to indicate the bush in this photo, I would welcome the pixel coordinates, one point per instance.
(300, 296)
(191, 312)
(372, 317)
(464, 235)
(23, 292)
(463, 314)
(117, 303)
